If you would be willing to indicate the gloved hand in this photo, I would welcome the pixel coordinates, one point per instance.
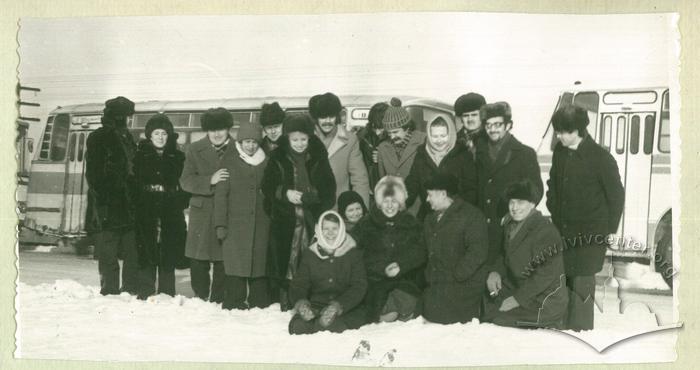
(221, 232)
(329, 314)
(303, 308)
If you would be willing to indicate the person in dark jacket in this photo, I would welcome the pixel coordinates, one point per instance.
(467, 109)
(242, 223)
(330, 282)
(160, 202)
(528, 286)
(394, 254)
(440, 154)
(299, 186)
(586, 198)
(200, 176)
(271, 118)
(370, 137)
(456, 238)
(110, 211)
(500, 161)
(352, 208)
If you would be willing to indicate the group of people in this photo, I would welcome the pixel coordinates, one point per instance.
(348, 228)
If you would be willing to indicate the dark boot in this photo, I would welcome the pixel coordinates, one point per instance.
(199, 275)
(285, 305)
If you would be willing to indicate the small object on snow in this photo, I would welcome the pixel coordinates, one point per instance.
(388, 358)
(362, 351)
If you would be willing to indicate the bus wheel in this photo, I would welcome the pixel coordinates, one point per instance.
(663, 258)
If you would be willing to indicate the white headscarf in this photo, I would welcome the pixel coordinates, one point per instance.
(438, 154)
(253, 160)
(341, 245)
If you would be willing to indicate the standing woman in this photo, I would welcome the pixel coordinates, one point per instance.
(299, 186)
(160, 202)
(241, 221)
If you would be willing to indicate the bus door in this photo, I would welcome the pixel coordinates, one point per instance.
(613, 136)
(75, 189)
(638, 175)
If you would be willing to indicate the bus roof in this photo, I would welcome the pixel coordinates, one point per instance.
(582, 88)
(293, 102)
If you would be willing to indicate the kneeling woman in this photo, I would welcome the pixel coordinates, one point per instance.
(330, 281)
(529, 286)
(394, 254)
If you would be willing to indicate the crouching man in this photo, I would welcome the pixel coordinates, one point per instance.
(330, 282)
(528, 288)
(456, 236)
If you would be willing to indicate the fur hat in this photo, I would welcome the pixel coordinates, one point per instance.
(468, 103)
(271, 114)
(443, 181)
(216, 119)
(298, 123)
(326, 105)
(391, 186)
(160, 121)
(249, 130)
(347, 198)
(395, 117)
(498, 109)
(118, 107)
(523, 190)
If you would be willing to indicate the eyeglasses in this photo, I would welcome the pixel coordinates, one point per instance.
(495, 125)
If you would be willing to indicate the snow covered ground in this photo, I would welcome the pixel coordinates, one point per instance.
(60, 317)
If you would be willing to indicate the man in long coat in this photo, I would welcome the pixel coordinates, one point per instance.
(110, 212)
(467, 108)
(586, 198)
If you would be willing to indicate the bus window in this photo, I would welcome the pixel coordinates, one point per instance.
(71, 148)
(606, 132)
(634, 135)
(177, 119)
(665, 126)
(59, 137)
(81, 147)
(46, 140)
(240, 117)
(620, 144)
(649, 133)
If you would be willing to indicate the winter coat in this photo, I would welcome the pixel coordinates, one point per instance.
(391, 164)
(201, 161)
(346, 161)
(268, 145)
(585, 198)
(384, 241)
(369, 142)
(160, 203)
(457, 247)
(457, 162)
(239, 207)
(515, 162)
(533, 271)
(469, 140)
(278, 178)
(110, 179)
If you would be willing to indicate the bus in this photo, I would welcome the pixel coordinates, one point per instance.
(634, 125)
(57, 190)
(25, 148)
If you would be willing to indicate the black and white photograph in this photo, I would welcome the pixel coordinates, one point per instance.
(378, 190)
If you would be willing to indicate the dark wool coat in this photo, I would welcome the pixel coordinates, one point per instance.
(515, 162)
(239, 206)
(586, 198)
(269, 145)
(457, 247)
(384, 241)
(201, 161)
(457, 162)
(469, 141)
(110, 179)
(166, 206)
(533, 273)
(369, 142)
(280, 176)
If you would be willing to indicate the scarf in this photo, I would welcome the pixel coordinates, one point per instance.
(436, 154)
(252, 160)
(401, 145)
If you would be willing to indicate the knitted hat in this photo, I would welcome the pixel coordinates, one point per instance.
(395, 117)
(249, 130)
(498, 109)
(347, 198)
(391, 186)
(216, 119)
(159, 121)
(298, 123)
(271, 114)
(468, 103)
(443, 181)
(326, 105)
(523, 190)
(118, 107)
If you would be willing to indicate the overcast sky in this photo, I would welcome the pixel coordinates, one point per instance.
(523, 59)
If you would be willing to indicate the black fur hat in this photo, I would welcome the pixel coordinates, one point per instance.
(298, 123)
(326, 105)
(159, 121)
(443, 181)
(118, 107)
(468, 103)
(216, 119)
(523, 190)
(271, 114)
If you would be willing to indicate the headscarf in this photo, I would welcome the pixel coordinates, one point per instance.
(253, 160)
(436, 154)
(342, 243)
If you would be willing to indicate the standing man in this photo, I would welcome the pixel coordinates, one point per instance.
(202, 171)
(586, 198)
(395, 156)
(456, 237)
(342, 145)
(501, 160)
(467, 110)
(271, 118)
(110, 178)
(370, 137)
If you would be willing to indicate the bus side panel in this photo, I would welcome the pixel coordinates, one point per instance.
(45, 196)
(660, 194)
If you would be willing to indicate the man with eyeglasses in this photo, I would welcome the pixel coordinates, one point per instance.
(500, 161)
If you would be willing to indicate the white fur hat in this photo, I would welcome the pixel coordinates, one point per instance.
(392, 186)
